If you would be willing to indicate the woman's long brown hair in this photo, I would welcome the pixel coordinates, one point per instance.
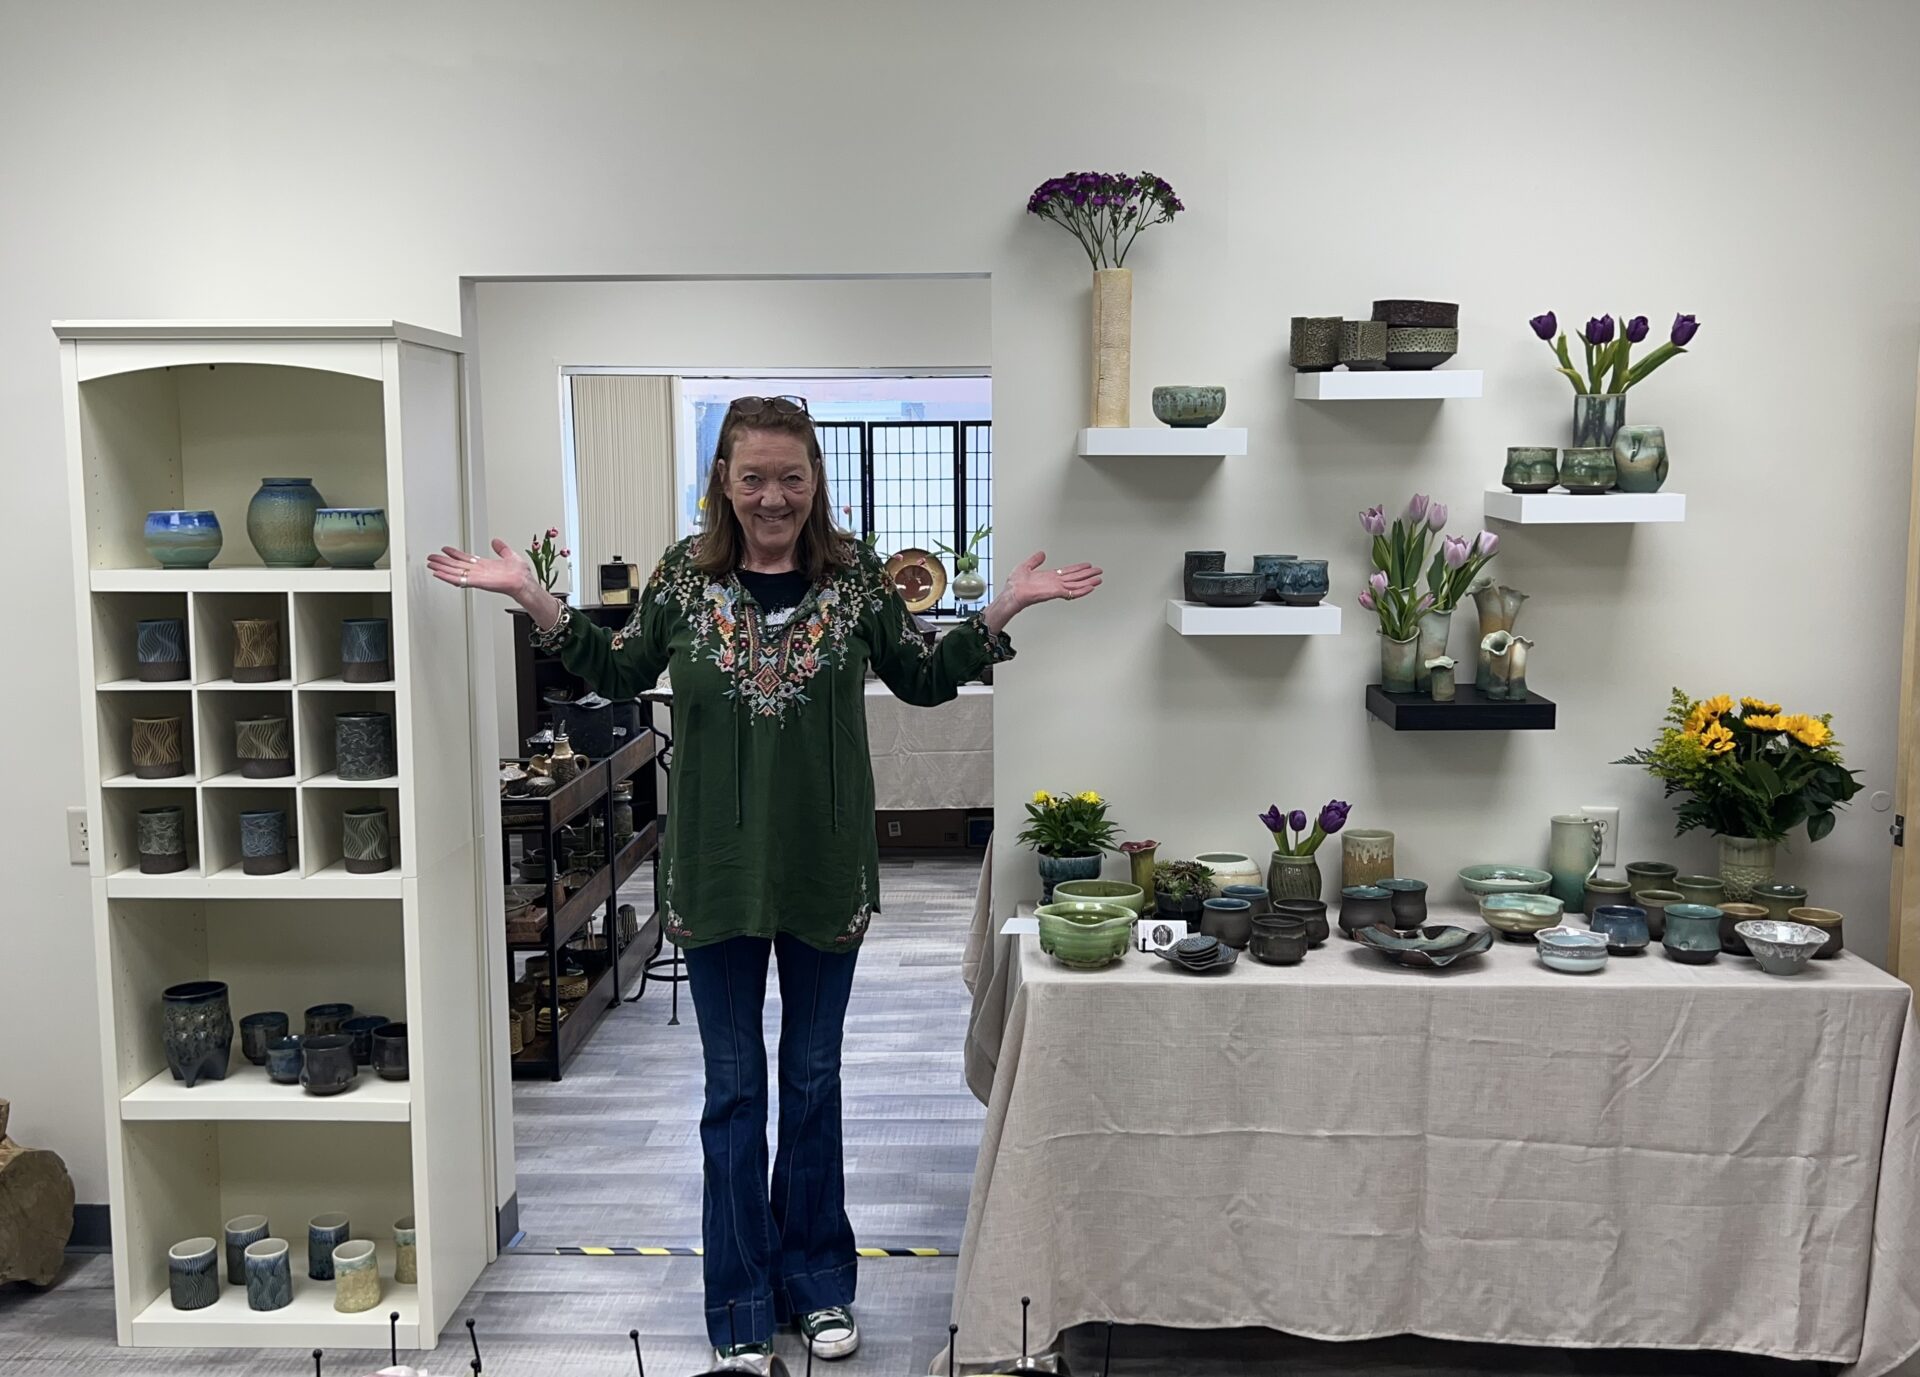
(823, 548)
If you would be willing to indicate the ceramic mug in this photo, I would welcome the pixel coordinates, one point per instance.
(1302, 582)
(1587, 469)
(1531, 468)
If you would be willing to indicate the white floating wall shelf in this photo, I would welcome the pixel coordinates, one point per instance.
(1584, 509)
(1387, 385)
(1162, 442)
(1262, 619)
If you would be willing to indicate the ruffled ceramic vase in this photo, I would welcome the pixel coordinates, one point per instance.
(1398, 663)
(1499, 609)
(1140, 867)
(1435, 628)
(1745, 865)
(1504, 658)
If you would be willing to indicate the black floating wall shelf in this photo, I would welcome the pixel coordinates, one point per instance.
(1468, 712)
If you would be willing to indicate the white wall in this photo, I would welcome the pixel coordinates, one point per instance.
(525, 332)
(1749, 160)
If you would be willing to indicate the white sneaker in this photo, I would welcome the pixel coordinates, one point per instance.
(831, 1332)
(757, 1359)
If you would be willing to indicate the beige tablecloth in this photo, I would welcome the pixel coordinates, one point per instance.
(1658, 1155)
(931, 757)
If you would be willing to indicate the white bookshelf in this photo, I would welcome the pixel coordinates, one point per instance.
(1585, 509)
(1261, 619)
(178, 414)
(1162, 442)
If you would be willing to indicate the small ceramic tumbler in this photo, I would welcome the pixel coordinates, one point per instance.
(155, 743)
(366, 840)
(350, 537)
(363, 744)
(328, 1066)
(1693, 933)
(355, 1269)
(284, 1058)
(256, 650)
(326, 1018)
(269, 1267)
(1365, 906)
(257, 1031)
(1270, 566)
(325, 1232)
(1440, 679)
(161, 835)
(263, 842)
(1588, 470)
(1779, 899)
(241, 1232)
(1531, 468)
(1315, 343)
(1409, 902)
(264, 747)
(160, 650)
(197, 1030)
(1829, 921)
(360, 1028)
(1363, 344)
(1301, 582)
(406, 1263)
(193, 1273)
(390, 1051)
(1200, 562)
(1366, 856)
(1731, 916)
(365, 656)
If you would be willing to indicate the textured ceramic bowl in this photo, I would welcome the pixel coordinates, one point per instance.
(1431, 946)
(1227, 590)
(1780, 948)
(1189, 407)
(1421, 346)
(1301, 582)
(1588, 470)
(1363, 344)
(1117, 892)
(1482, 880)
(1397, 311)
(350, 537)
(1084, 936)
(1693, 934)
(1517, 917)
(1572, 950)
(1315, 343)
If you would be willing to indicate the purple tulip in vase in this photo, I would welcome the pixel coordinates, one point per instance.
(1600, 396)
(1293, 872)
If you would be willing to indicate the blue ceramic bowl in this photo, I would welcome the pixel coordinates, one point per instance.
(183, 539)
(1301, 582)
(1228, 590)
(1624, 925)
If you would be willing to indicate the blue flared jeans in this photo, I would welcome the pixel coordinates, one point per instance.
(772, 1255)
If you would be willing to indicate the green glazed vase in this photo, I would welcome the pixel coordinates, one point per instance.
(1293, 877)
(1597, 418)
(1397, 663)
(1640, 458)
(280, 522)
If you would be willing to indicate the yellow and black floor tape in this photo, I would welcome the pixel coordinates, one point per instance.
(696, 1252)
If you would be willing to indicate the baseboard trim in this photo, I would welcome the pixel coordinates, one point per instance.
(506, 1222)
(92, 1230)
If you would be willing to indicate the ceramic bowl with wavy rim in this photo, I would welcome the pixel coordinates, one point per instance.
(1482, 880)
(1083, 936)
(1100, 892)
(1780, 948)
(1435, 947)
(1573, 950)
(1517, 917)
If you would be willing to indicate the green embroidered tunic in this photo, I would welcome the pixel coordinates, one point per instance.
(770, 799)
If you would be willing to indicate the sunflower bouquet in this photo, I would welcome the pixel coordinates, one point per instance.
(1749, 769)
(1068, 824)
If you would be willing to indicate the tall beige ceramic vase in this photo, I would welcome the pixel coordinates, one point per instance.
(1112, 344)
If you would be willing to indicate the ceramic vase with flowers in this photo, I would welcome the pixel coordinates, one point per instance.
(1293, 872)
(968, 585)
(1415, 626)
(1105, 212)
(1750, 774)
(545, 556)
(1071, 833)
(1600, 394)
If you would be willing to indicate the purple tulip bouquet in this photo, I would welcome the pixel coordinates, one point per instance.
(1610, 366)
(1401, 552)
(1290, 835)
(1105, 211)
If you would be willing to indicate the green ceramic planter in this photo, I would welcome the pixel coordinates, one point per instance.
(1084, 936)
(1116, 892)
(1483, 880)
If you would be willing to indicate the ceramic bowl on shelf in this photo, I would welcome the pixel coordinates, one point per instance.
(1301, 582)
(1186, 406)
(1199, 955)
(1398, 311)
(1363, 345)
(1084, 936)
(1430, 946)
(1780, 948)
(182, 539)
(1100, 892)
(350, 537)
(1227, 590)
(1314, 343)
(1573, 950)
(1482, 880)
(1420, 347)
(1517, 917)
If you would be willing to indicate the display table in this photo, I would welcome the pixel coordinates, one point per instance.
(1656, 1155)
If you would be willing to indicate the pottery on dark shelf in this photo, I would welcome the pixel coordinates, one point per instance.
(1531, 468)
(326, 1018)
(269, 1268)
(1312, 912)
(360, 1029)
(1409, 901)
(264, 747)
(284, 1059)
(325, 1232)
(183, 539)
(280, 522)
(1269, 568)
(256, 650)
(588, 721)
(263, 842)
(161, 835)
(364, 745)
(1419, 346)
(193, 1273)
(390, 1051)
(1199, 562)
(1315, 343)
(160, 650)
(1363, 906)
(1187, 406)
(1302, 582)
(1228, 590)
(350, 537)
(198, 1030)
(257, 1031)
(366, 840)
(156, 749)
(1363, 345)
(1399, 311)
(366, 655)
(242, 1232)
(329, 1067)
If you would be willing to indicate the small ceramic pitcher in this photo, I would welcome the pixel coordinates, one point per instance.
(1573, 854)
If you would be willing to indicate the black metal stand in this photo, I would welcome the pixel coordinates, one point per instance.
(675, 971)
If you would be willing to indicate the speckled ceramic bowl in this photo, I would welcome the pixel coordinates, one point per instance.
(1420, 346)
(1189, 406)
(1444, 315)
(1780, 948)
(1228, 590)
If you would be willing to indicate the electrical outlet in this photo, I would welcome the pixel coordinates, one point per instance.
(1609, 813)
(78, 852)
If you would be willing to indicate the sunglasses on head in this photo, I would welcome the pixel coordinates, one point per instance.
(780, 406)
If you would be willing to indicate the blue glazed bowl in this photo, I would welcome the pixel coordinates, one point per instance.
(1301, 582)
(1625, 927)
(183, 539)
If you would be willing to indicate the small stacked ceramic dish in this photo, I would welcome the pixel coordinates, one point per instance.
(1520, 917)
(1780, 948)
(1430, 946)
(1573, 950)
(1199, 954)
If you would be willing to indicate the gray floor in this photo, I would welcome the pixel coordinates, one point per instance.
(610, 1156)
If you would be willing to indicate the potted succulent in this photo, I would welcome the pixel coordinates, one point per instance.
(968, 586)
(1181, 889)
(1751, 774)
(1600, 397)
(545, 556)
(1070, 832)
(1294, 873)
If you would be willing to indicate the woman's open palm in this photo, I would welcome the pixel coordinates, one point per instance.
(507, 574)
